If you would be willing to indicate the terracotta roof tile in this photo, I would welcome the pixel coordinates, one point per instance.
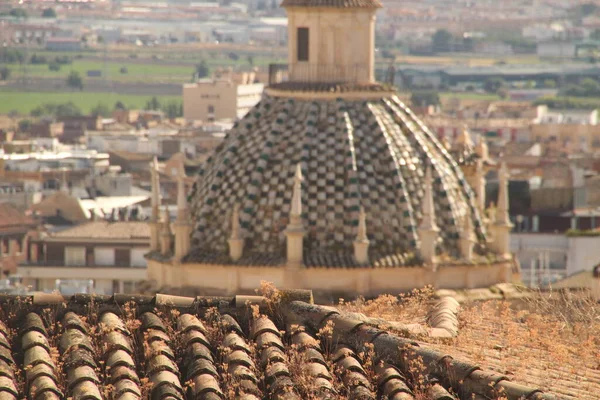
(107, 230)
(204, 352)
(333, 3)
(13, 218)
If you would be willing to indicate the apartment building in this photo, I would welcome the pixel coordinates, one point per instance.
(225, 97)
(108, 254)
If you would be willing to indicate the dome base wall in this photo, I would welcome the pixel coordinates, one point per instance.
(231, 279)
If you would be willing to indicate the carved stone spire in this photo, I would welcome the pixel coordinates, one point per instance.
(501, 226)
(155, 189)
(502, 217)
(428, 221)
(428, 229)
(296, 211)
(480, 183)
(361, 244)
(165, 237)
(183, 225)
(482, 149)
(236, 243)
(295, 230)
(467, 238)
(465, 138)
(155, 241)
(182, 207)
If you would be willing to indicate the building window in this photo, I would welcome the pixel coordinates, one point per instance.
(104, 255)
(129, 287)
(302, 44)
(211, 109)
(74, 255)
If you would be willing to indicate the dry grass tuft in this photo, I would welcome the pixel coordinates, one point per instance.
(408, 308)
(550, 340)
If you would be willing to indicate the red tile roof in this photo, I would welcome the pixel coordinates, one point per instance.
(107, 230)
(11, 218)
(333, 3)
(251, 347)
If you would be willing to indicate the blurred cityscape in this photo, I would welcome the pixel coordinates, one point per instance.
(92, 91)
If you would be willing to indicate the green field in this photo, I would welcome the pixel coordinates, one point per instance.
(135, 72)
(469, 96)
(24, 102)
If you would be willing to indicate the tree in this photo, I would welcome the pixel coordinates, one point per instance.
(101, 110)
(153, 104)
(67, 110)
(123, 70)
(425, 98)
(233, 56)
(54, 66)
(250, 59)
(74, 80)
(11, 56)
(58, 110)
(120, 106)
(4, 73)
(18, 13)
(441, 40)
(588, 9)
(48, 13)
(202, 69)
(37, 60)
(24, 125)
(173, 109)
(63, 60)
(492, 85)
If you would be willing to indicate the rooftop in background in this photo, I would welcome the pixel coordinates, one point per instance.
(106, 230)
(332, 3)
(11, 218)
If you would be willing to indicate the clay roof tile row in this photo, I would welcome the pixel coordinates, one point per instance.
(208, 347)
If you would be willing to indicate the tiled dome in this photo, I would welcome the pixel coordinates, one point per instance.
(352, 153)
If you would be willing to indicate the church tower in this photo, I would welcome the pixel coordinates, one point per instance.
(331, 41)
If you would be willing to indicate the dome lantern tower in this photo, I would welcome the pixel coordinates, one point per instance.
(331, 41)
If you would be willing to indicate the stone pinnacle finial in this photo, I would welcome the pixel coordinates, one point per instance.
(467, 238)
(155, 183)
(428, 230)
(165, 237)
(296, 210)
(166, 221)
(502, 217)
(236, 243)
(465, 137)
(181, 197)
(482, 149)
(479, 185)
(295, 231)
(361, 233)
(235, 222)
(361, 244)
(467, 232)
(428, 221)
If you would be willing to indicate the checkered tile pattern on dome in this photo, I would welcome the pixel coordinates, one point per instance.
(352, 154)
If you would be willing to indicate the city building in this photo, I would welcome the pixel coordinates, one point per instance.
(14, 229)
(63, 44)
(227, 97)
(330, 182)
(110, 254)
